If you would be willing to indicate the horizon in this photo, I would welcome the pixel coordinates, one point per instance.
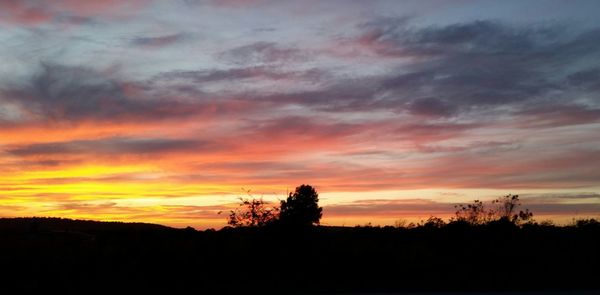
(168, 112)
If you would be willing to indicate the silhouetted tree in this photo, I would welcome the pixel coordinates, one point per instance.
(301, 208)
(506, 209)
(434, 222)
(253, 213)
(587, 223)
(472, 213)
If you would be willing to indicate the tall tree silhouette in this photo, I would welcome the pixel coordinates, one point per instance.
(301, 208)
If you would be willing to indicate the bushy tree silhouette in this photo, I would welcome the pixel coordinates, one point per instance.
(472, 213)
(506, 209)
(301, 208)
(587, 223)
(434, 222)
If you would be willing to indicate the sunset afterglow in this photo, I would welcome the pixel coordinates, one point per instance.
(169, 111)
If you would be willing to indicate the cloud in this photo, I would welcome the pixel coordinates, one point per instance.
(111, 146)
(60, 93)
(588, 79)
(11, 208)
(22, 12)
(472, 68)
(261, 73)
(570, 205)
(338, 96)
(263, 52)
(34, 12)
(159, 41)
(431, 106)
(457, 68)
(388, 207)
(558, 198)
(426, 207)
(237, 3)
(558, 115)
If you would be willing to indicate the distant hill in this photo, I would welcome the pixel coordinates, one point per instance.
(53, 224)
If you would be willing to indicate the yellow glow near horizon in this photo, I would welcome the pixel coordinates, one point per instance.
(80, 171)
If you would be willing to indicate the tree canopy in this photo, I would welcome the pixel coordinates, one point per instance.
(301, 208)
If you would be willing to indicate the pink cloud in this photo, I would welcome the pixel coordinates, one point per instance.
(237, 3)
(34, 12)
(23, 12)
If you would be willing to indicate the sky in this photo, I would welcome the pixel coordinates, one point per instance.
(170, 111)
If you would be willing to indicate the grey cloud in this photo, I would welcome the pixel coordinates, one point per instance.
(74, 94)
(561, 198)
(112, 146)
(482, 64)
(431, 106)
(263, 52)
(344, 95)
(159, 41)
(259, 72)
(557, 115)
(429, 207)
(467, 68)
(571, 209)
(588, 79)
(389, 207)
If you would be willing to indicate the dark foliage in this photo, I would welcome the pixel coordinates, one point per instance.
(252, 213)
(301, 208)
(504, 209)
(434, 222)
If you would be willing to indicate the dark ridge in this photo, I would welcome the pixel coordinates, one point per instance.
(55, 224)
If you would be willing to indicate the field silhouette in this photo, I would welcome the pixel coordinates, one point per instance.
(87, 257)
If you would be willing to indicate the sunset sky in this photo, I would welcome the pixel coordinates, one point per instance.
(168, 111)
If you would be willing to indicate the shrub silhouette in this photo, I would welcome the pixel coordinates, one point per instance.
(301, 208)
(587, 223)
(253, 213)
(503, 209)
(472, 213)
(434, 222)
(506, 208)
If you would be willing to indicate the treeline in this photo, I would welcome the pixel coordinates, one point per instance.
(485, 247)
(301, 209)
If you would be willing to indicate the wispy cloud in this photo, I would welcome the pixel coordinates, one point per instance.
(159, 41)
(29, 13)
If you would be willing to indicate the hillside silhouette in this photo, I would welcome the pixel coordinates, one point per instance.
(87, 257)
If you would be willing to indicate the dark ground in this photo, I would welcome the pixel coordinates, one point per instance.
(86, 257)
